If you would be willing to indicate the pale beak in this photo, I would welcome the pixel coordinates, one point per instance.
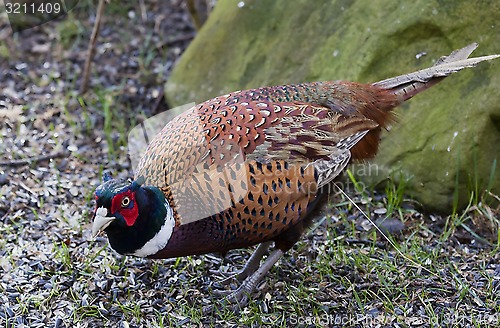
(101, 221)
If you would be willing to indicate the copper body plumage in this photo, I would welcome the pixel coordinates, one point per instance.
(277, 131)
(248, 168)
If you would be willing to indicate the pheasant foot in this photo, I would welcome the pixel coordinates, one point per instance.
(239, 298)
(250, 267)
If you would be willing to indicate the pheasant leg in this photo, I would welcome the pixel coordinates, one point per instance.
(240, 296)
(251, 266)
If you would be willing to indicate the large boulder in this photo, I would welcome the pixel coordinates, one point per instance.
(447, 140)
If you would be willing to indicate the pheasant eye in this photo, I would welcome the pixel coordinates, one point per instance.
(125, 201)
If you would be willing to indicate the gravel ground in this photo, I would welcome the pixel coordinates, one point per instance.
(52, 274)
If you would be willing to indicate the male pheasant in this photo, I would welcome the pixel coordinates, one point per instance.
(247, 168)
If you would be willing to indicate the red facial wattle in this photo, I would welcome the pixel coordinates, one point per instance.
(130, 212)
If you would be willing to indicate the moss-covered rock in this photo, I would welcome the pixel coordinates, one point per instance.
(447, 139)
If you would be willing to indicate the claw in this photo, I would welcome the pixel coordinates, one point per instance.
(236, 299)
(222, 293)
(240, 297)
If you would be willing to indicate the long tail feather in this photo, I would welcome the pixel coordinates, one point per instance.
(408, 85)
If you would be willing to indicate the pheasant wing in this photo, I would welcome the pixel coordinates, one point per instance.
(206, 157)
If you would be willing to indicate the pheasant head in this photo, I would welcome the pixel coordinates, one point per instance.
(137, 219)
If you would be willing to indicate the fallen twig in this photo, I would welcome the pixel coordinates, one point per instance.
(160, 104)
(91, 48)
(36, 159)
(193, 12)
(179, 38)
(144, 14)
